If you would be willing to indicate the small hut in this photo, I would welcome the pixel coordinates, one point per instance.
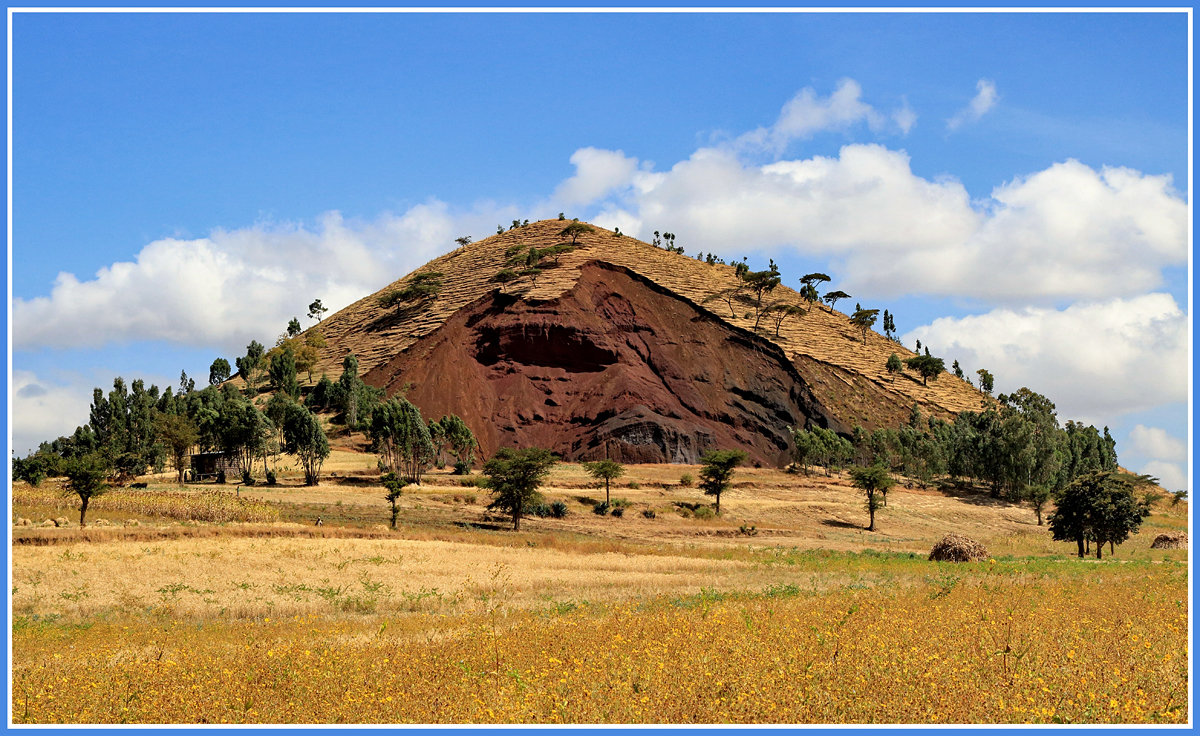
(208, 465)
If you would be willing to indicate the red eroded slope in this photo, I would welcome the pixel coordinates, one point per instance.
(616, 358)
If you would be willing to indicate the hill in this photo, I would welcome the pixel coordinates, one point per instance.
(619, 346)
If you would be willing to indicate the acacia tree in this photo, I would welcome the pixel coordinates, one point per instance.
(832, 298)
(779, 311)
(304, 438)
(606, 470)
(87, 478)
(811, 280)
(875, 483)
(863, 319)
(418, 289)
(717, 473)
(759, 284)
(514, 477)
(574, 230)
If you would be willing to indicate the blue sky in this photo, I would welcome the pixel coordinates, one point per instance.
(998, 181)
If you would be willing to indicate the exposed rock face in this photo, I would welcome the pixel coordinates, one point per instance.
(616, 360)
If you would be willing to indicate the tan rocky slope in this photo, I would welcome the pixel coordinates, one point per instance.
(818, 370)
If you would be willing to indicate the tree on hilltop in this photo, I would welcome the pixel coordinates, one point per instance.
(574, 230)
(759, 284)
(894, 366)
(218, 372)
(294, 327)
(317, 310)
(832, 298)
(986, 381)
(779, 311)
(251, 366)
(863, 319)
(463, 242)
(927, 365)
(810, 282)
(420, 288)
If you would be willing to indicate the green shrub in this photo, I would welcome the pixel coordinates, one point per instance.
(247, 479)
(558, 509)
(461, 468)
(618, 511)
(621, 503)
(686, 480)
(703, 512)
(648, 513)
(271, 479)
(601, 509)
(634, 485)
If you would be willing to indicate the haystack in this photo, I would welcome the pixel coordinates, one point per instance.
(1170, 540)
(956, 548)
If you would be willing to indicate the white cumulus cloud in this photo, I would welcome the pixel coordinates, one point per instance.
(984, 100)
(1154, 442)
(597, 172)
(1095, 360)
(237, 285)
(1066, 232)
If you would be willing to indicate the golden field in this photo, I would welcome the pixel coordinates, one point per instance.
(782, 610)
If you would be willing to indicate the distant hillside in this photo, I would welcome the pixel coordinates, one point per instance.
(619, 343)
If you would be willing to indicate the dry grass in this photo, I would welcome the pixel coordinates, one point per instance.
(1018, 643)
(593, 619)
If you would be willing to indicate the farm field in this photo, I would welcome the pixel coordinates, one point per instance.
(187, 607)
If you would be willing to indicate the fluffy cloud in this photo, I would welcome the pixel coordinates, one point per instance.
(42, 410)
(984, 100)
(237, 285)
(597, 172)
(1155, 443)
(1067, 232)
(808, 113)
(1095, 360)
(1170, 475)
